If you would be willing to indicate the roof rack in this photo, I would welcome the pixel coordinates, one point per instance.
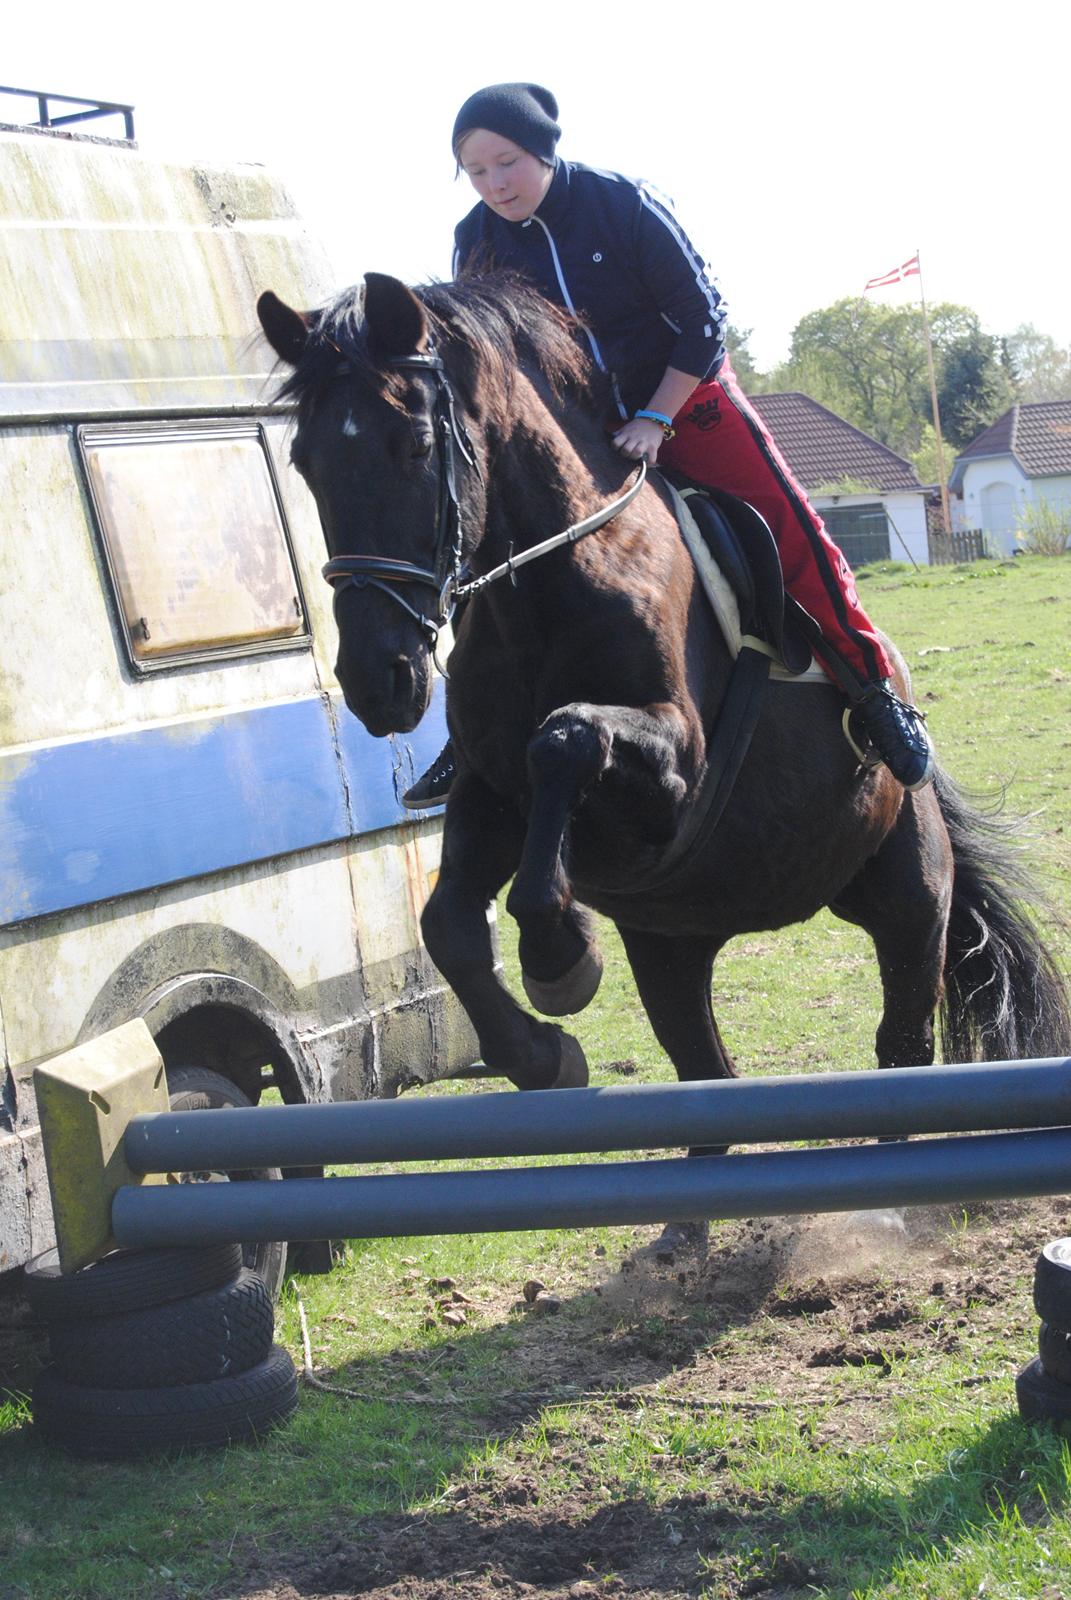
(46, 118)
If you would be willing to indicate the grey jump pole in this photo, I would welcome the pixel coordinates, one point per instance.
(838, 1105)
(1033, 1095)
(933, 1171)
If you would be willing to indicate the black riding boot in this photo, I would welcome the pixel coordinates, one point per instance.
(897, 732)
(433, 786)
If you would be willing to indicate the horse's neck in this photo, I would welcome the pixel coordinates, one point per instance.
(549, 474)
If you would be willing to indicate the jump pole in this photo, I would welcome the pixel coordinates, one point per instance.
(932, 1171)
(871, 1104)
(833, 1105)
(110, 1143)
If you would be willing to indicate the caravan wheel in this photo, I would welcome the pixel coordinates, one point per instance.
(199, 1089)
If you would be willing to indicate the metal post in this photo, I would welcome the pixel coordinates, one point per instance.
(930, 1172)
(844, 1105)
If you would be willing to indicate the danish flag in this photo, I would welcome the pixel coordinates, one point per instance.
(897, 275)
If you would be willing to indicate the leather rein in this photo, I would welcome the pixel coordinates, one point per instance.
(444, 578)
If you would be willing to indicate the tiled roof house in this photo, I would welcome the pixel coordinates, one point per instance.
(1020, 460)
(870, 498)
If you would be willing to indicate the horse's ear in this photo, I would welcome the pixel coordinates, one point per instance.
(394, 319)
(286, 330)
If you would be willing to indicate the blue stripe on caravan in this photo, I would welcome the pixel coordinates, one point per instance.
(95, 818)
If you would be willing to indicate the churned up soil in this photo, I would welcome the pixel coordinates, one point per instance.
(787, 1305)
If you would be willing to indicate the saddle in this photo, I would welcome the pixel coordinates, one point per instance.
(743, 549)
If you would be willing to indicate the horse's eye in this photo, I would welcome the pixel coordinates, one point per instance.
(422, 443)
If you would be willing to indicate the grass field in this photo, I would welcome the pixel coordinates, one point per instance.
(825, 1408)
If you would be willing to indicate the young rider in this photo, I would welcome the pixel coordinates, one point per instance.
(609, 250)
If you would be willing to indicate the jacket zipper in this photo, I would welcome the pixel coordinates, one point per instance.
(567, 297)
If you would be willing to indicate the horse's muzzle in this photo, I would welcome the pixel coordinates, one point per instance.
(391, 697)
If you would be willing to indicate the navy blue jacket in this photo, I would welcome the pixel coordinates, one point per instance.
(609, 250)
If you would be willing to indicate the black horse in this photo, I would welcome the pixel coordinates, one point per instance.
(458, 423)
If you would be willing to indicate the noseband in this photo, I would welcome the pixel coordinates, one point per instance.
(382, 572)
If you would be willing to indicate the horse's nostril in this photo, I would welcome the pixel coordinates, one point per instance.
(402, 673)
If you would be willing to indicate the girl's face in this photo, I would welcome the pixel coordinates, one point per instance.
(510, 180)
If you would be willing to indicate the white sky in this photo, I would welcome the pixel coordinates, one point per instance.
(807, 146)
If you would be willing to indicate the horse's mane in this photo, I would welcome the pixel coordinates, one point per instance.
(485, 326)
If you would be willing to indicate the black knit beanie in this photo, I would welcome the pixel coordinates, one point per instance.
(523, 112)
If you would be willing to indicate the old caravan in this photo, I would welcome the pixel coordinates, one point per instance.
(193, 829)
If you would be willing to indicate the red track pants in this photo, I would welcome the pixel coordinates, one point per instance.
(722, 441)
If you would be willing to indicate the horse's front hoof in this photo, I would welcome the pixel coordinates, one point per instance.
(562, 997)
(573, 1070)
(678, 1241)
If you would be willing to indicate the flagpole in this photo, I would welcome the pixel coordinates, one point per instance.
(942, 474)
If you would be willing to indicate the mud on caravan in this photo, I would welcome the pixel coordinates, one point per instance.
(193, 829)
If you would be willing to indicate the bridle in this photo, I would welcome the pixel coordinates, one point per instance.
(383, 572)
(444, 578)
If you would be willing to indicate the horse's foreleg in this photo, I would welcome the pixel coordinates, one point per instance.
(482, 840)
(560, 960)
(574, 749)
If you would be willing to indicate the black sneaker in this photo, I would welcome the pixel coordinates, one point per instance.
(432, 788)
(898, 734)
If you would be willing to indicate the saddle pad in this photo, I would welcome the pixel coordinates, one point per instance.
(723, 601)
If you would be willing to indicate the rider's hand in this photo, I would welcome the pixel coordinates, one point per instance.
(640, 440)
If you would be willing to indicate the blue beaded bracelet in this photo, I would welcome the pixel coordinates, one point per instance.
(665, 422)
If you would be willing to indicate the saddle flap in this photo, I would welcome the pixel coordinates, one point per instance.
(741, 542)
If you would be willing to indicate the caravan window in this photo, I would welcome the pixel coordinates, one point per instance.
(195, 540)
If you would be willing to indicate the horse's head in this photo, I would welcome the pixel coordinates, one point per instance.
(380, 444)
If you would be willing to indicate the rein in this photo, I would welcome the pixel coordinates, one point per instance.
(597, 520)
(383, 573)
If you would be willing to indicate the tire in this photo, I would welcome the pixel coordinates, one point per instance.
(1052, 1283)
(199, 1089)
(1054, 1351)
(128, 1280)
(1041, 1398)
(112, 1424)
(196, 1340)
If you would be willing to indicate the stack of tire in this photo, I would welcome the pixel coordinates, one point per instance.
(158, 1350)
(1043, 1387)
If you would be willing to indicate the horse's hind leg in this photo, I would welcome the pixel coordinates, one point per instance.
(482, 841)
(673, 976)
(902, 898)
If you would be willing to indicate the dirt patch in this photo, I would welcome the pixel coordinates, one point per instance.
(698, 1334)
(771, 1318)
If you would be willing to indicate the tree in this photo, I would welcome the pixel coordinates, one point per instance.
(866, 361)
(973, 387)
(747, 374)
(1040, 370)
(926, 459)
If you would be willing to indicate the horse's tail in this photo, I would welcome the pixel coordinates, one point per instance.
(1005, 997)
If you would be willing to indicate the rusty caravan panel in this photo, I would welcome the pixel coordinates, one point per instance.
(195, 540)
